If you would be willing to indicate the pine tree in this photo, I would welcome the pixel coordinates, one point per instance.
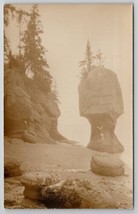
(87, 63)
(34, 52)
(99, 58)
(8, 10)
(54, 92)
(18, 16)
(21, 18)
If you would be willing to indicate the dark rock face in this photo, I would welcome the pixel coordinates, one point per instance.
(28, 111)
(100, 101)
(75, 194)
(12, 168)
(59, 196)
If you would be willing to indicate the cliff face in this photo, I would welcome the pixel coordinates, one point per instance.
(29, 113)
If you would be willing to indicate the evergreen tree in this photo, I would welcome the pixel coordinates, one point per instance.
(87, 63)
(99, 58)
(8, 10)
(11, 12)
(34, 52)
(54, 92)
(21, 18)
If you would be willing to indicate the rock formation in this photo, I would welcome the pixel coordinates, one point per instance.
(12, 168)
(30, 113)
(76, 194)
(34, 182)
(100, 101)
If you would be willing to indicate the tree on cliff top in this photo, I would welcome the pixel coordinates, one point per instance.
(34, 52)
(8, 10)
(87, 63)
(19, 16)
(91, 60)
(100, 58)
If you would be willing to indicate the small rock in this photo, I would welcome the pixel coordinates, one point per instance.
(107, 165)
(33, 183)
(12, 168)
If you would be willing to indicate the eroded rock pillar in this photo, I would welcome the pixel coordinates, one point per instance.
(100, 101)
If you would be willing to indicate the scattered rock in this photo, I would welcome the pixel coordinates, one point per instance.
(76, 194)
(106, 171)
(33, 183)
(12, 168)
(107, 160)
(107, 164)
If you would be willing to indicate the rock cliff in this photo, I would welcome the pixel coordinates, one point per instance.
(29, 113)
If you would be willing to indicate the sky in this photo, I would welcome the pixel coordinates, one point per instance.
(66, 31)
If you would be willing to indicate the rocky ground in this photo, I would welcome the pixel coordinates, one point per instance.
(64, 161)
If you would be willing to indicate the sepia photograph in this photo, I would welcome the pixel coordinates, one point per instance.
(68, 106)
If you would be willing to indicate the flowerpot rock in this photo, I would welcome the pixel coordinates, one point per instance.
(100, 101)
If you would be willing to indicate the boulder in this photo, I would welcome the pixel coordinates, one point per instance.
(107, 164)
(107, 171)
(12, 168)
(33, 182)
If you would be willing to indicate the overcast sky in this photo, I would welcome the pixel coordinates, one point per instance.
(66, 31)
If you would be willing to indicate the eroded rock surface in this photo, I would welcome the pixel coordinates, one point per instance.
(34, 182)
(12, 168)
(30, 113)
(100, 93)
(76, 194)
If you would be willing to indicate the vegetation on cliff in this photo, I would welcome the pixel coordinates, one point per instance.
(30, 97)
